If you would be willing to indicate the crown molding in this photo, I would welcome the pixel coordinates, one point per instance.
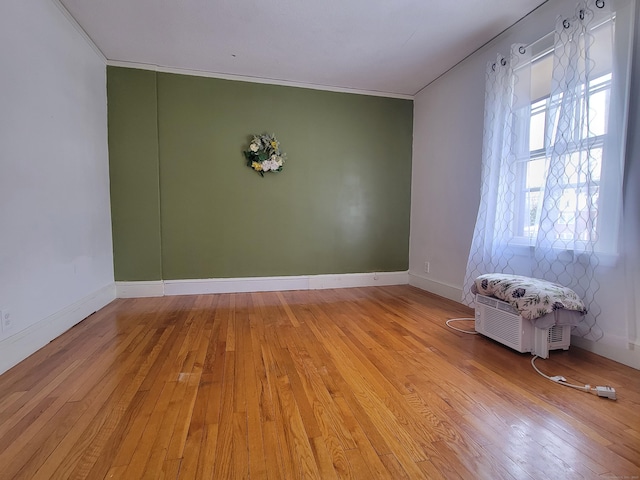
(245, 78)
(79, 29)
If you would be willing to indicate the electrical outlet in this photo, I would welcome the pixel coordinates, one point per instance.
(6, 321)
(427, 267)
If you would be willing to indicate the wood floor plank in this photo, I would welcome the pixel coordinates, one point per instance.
(171, 470)
(300, 453)
(206, 457)
(326, 467)
(362, 440)
(257, 466)
(223, 467)
(161, 415)
(240, 456)
(351, 383)
(273, 451)
(195, 444)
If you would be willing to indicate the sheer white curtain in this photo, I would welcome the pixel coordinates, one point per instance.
(552, 166)
(492, 249)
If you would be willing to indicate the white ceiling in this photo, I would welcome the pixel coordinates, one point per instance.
(392, 47)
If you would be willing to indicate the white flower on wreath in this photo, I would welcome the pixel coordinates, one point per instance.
(254, 147)
(270, 164)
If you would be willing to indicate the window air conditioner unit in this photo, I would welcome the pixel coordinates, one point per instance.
(501, 322)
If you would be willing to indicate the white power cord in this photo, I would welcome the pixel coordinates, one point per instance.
(605, 392)
(459, 329)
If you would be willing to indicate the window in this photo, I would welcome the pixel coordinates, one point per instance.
(577, 217)
(531, 172)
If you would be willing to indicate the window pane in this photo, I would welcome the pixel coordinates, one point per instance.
(573, 168)
(532, 201)
(579, 165)
(598, 103)
(535, 173)
(574, 206)
(566, 222)
(536, 131)
(595, 163)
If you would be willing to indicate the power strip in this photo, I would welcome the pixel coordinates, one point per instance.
(606, 392)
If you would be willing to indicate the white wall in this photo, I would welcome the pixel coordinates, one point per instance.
(56, 264)
(448, 122)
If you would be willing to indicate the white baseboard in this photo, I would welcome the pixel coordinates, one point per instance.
(258, 284)
(139, 289)
(234, 285)
(439, 288)
(350, 280)
(24, 343)
(615, 348)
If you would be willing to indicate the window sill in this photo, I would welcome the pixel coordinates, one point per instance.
(522, 247)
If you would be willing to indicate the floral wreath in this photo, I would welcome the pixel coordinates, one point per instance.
(264, 154)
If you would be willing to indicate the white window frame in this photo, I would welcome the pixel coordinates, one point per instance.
(606, 239)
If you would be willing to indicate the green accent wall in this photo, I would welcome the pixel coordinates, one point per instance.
(134, 174)
(341, 204)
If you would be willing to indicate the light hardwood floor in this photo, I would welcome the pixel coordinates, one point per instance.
(356, 383)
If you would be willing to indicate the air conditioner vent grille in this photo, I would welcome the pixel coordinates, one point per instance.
(500, 321)
(503, 327)
(555, 334)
